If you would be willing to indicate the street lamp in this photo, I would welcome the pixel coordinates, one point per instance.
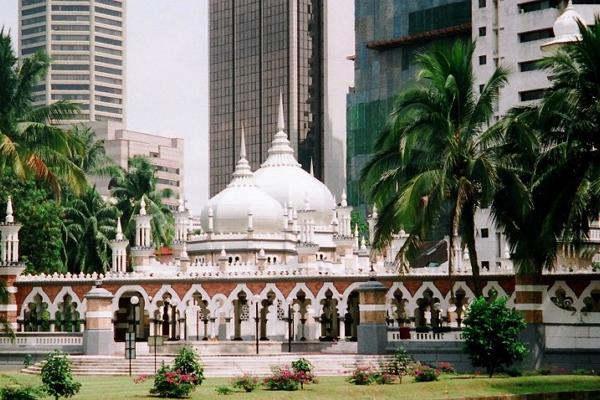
(256, 318)
(130, 340)
(134, 300)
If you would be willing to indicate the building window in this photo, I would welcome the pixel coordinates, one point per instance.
(538, 5)
(529, 65)
(482, 31)
(482, 60)
(529, 95)
(485, 232)
(540, 34)
(482, 4)
(485, 265)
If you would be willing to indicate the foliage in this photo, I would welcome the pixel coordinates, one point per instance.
(17, 392)
(513, 372)
(282, 378)
(41, 246)
(141, 378)
(357, 219)
(425, 373)
(399, 365)
(304, 371)
(491, 334)
(224, 390)
(173, 383)
(91, 157)
(384, 378)
(361, 376)
(433, 161)
(246, 382)
(139, 181)
(27, 360)
(57, 378)
(89, 224)
(446, 367)
(32, 145)
(187, 363)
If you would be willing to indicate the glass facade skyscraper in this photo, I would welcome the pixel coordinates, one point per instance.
(259, 49)
(388, 34)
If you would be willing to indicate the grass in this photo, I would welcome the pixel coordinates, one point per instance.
(336, 388)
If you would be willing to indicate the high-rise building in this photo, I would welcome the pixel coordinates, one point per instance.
(85, 39)
(164, 153)
(259, 49)
(388, 34)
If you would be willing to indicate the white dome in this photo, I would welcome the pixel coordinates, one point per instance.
(231, 206)
(283, 178)
(565, 27)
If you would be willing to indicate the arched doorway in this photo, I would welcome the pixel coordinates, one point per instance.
(130, 315)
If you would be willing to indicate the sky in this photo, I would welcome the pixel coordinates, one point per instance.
(167, 78)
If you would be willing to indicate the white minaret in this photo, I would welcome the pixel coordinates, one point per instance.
(143, 249)
(182, 222)
(9, 240)
(119, 250)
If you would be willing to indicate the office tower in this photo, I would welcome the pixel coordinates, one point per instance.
(85, 39)
(259, 49)
(164, 153)
(388, 34)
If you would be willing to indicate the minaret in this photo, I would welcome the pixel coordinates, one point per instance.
(143, 249)
(182, 221)
(119, 250)
(10, 267)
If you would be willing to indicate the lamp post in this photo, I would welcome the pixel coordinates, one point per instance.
(256, 318)
(131, 340)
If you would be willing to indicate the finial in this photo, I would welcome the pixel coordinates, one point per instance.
(223, 252)
(363, 243)
(355, 230)
(280, 119)
(9, 211)
(181, 206)
(344, 202)
(261, 253)
(119, 235)
(312, 168)
(570, 4)
(243, 144)
(375, 214)
(143, 206)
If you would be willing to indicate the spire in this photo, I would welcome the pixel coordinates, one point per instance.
(9, 211)
(375, 214)
(242, 176)
(312, 168)
(344, 202)
(243, 144)
(181, 206)
(119, 235)
(280, 119)
(143, 206)
(280, 152)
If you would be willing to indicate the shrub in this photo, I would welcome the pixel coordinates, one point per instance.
(246, 382)
(141, 378)
(513, 372)
(225, 390)
(582, 371)
(446, 367)
(491, 334)
(383, 378)
(399, 365)
(187, 363)
(282, 378)
(57, 378)
(172, 383)
(304, 371)
(27, 360)
(425, 373)
(362, 376)
(17, 392)
(544, 371)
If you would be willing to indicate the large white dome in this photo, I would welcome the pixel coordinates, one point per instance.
(565, 27)
(231, 206)
(283, 178)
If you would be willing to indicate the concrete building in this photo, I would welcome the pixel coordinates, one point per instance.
(259, 50)
(87, 44)
(388, 33)
(164, 153)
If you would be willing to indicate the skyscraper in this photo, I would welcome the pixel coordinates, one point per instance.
(388, 34)
(85, 39)
(259, 49)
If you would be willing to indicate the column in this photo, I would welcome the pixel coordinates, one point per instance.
(98, 336)
(372, 331)
(529, 296)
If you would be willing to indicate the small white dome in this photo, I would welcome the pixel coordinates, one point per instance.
(565, 27)
(231, 207)
(283, 178)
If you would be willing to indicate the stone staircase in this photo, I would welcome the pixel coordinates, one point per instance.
(341, 347)
(220, 365)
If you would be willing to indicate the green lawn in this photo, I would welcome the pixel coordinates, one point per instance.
(335, 388)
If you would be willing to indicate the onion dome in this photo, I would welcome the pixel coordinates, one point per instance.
(242, 204)
(282, 177)
(565, 27)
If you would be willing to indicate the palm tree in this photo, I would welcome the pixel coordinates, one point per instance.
(30, 145)
(139, 181)
(89, 224)
(91, 157)
(551, 186)
(432, 161)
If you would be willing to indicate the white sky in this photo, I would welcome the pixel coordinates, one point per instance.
(167, 78)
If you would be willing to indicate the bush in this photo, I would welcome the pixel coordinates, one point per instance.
(513, 372)
(491, 334)
(362, 376)
(225, 390)
(27, 360)
(172, 383)
(399, 365)
(304, 371)
(57, 378)
(383, 378)
(17, 392)
(246, 382)
(446, 367)
(187, 363)
(282, 378)
(425, 373)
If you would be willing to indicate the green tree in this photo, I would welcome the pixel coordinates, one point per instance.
(358, 220)
(57, 378)
(89, 223)
(139, 181)
(91, 156)
(491, 334)
(31, 145)
(433, 157)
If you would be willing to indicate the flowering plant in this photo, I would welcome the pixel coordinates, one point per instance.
(304, 371)
(446, 367)
(141, 378)
(362, 376)
(247, 382)
(173, 383)
(282, 378)
(425, 373)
